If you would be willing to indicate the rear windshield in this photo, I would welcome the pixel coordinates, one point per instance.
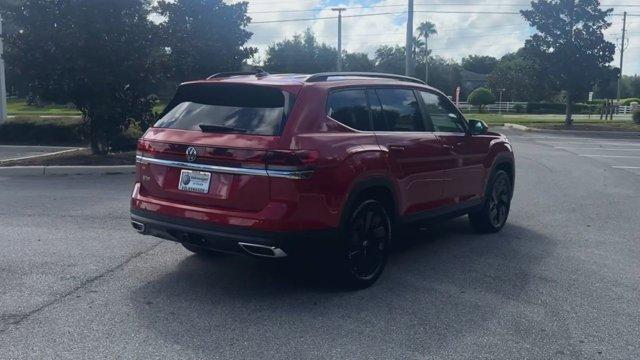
(247, 109)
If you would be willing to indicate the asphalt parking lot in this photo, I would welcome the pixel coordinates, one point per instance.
(561, 281)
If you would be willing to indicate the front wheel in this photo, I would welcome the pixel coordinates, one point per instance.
(493, 215)
(364, 251)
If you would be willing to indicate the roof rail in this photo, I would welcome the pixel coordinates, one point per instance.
(326, 75)
(220, 75)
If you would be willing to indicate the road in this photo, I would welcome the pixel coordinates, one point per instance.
(561, 281)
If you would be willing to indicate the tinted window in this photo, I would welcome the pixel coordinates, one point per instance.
(401, 110)
(248, 109)
(350, 108)
(442, 113)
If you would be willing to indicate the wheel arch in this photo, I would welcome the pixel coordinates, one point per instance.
(502, 161)
(379, 188)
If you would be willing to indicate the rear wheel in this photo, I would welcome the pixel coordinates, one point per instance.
(365, 249)
(495, 211)
(200, 250)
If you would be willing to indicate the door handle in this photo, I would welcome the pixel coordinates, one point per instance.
(396, 148)
(448, 147)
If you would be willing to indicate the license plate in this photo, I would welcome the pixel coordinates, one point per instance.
(194, 181)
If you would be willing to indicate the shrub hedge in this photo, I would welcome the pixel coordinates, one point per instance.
(554, 108)
(636, 116)
(54, 133)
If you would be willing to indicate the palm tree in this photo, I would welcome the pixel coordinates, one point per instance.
(425, 29)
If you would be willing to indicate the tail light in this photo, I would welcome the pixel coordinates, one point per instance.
(296, 164)
(143, 147)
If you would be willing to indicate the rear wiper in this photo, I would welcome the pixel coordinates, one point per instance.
(220, 128)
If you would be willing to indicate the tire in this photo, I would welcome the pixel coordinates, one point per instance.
(495, 210)
(200, 250)
(364, 251)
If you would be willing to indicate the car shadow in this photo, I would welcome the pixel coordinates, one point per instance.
(441, 283)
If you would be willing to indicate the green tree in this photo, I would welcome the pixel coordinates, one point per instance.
(570, 45)
(444, 74)
(426, 29)
(203, 37)
(390, 59)
(301, 54)
(522, 77)
(358, 62)
(96, 54)
(479, 64)
(481, 97)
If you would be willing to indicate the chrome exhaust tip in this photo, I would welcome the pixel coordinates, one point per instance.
(138, 226)
(263, 250)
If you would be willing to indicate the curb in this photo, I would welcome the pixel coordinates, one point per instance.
(517, 127)
(596, 133)
(44, 156)
(66, 170)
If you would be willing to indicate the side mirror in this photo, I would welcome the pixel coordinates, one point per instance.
(477, 127)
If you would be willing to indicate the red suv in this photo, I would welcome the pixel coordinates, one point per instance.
(271, 165)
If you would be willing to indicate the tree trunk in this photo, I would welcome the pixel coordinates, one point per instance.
(97, 147)
(568, 120)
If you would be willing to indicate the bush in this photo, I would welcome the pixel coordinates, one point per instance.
(628, 101)
(556, 108)
(481, 97)
(636, 116)
(518, 108)
(61, 132)
(30, 133)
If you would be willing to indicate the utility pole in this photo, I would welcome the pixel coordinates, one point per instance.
(339, 10)
(408, 61)
(624, 30)
(3, 89)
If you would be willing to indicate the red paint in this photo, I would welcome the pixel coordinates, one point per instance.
(426, 170)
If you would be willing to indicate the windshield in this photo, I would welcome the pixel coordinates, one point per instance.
(246, 109)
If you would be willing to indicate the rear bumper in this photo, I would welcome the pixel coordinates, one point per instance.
(231, 239)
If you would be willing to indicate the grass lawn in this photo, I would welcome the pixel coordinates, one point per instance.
(19, 107)
(580, 122)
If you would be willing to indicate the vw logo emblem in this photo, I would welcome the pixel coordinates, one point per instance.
(192, 154)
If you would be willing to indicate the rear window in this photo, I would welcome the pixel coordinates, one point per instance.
(247, 109)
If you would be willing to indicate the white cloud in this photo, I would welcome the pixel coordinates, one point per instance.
(458, 35)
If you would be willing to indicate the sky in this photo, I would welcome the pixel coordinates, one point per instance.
(459, 35)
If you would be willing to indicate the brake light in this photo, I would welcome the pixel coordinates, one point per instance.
(143, 146)
(291, 160)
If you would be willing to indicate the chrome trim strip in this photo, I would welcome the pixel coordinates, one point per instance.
(299, 174)
(277, 252)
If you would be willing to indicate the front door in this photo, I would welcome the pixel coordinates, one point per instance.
(415, 156)
(465, 172)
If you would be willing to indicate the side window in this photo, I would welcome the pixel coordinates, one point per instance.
(401, 110)
(350, 108)
(442, 113)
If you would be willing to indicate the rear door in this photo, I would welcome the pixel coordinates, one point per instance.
(415, 154)
(465, 153)
(222, 132)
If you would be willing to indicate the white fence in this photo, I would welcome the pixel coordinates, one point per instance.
(508, 106)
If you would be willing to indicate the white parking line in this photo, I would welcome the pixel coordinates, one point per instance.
(626, 167)
(611, 156)
(602, 149)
